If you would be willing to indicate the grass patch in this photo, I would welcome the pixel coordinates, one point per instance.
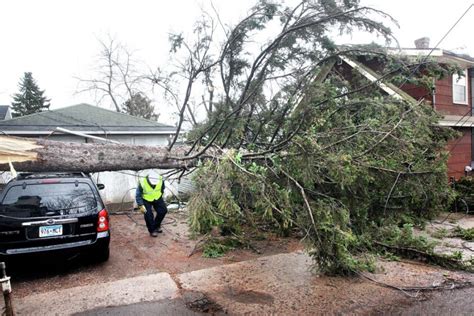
(215, 248)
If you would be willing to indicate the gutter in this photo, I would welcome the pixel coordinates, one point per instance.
(457, 121)
(172, 132)
(60, 129)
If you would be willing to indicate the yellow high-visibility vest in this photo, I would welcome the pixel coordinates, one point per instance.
(150, 194)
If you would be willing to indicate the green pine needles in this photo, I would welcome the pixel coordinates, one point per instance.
(30, 99)
(357, 166)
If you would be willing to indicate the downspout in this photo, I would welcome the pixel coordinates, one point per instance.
(471, 81)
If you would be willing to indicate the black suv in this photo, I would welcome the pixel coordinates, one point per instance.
(53, 214)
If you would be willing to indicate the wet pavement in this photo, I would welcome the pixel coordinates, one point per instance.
(134, 253)
(441, 231)
(450, 302)
(279, 284)
(128, 291)
(175, 307)
(158, 276)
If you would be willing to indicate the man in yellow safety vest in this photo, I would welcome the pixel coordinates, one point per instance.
(150, 194)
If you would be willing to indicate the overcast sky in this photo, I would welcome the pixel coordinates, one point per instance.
(57, 40)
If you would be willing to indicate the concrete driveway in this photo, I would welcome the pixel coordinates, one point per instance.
(150, 276)
(278, 284)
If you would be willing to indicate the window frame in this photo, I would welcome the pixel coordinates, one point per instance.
(466, 87)
(76, 184)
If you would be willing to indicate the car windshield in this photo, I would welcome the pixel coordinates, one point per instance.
(37, 200)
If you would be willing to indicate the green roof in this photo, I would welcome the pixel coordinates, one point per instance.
(84, 118)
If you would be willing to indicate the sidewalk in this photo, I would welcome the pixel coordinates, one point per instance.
(278, 284)
(82, 298)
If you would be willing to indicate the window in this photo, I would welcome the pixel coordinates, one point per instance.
(460, 88)
(35, 200)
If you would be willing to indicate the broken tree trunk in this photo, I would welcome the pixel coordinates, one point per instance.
(37, 155)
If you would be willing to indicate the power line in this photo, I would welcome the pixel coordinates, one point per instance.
(429, 54)
(437, 45)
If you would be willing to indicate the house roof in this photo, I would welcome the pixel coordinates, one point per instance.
(3, 111)
(372, 76)
(84, 118)
(457, 121)
(441, 55)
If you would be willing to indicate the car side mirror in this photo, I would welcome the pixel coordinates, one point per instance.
(100, 186)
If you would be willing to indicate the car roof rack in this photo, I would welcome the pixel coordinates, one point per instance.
(42, 175)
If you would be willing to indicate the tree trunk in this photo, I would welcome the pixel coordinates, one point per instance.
(37, 155)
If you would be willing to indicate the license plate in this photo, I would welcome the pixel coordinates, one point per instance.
(49, 231)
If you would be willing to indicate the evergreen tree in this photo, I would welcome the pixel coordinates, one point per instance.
(140, 106)
(30, 99)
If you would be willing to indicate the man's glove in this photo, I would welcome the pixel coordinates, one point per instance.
(141, 209)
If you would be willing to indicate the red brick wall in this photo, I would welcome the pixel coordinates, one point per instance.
(460, 149)
(417, 92)
(460, 153)
(444, 98)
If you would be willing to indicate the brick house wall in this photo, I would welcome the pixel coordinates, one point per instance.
(444, 98)
(459, 153)
(417, 92)
(441, 98)
(460, 149)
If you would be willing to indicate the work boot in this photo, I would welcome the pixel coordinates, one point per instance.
(154, 234)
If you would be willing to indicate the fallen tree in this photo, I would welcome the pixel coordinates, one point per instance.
(39, 155)
(291, 140)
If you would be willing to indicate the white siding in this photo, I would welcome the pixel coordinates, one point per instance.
(120, 186)
(8, 115)
(152, 140)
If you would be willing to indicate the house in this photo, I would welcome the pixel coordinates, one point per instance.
(75, 121)
(451, 97)
(5, 112)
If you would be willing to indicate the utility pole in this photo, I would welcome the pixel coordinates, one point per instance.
(7, 290)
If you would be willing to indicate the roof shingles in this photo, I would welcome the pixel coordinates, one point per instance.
(3, 111)
(84, 118)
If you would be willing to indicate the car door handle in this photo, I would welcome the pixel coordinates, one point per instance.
(51, 221)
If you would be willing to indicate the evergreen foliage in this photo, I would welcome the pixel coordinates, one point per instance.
(30, 99)
(140, 106)
(336, 182)
(337, 159)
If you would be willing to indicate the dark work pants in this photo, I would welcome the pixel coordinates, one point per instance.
(160, 208)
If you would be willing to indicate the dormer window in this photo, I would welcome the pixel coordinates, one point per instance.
(460, 88)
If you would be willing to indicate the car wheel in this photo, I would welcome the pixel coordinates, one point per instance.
(101, 254)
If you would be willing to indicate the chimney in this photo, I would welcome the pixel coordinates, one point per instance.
(422, 43)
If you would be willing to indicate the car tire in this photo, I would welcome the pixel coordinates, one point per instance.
(101, 255)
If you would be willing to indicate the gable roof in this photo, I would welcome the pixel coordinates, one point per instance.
(84, 118)
(365, 71)
(3, 111)
(376, 78)
(440, 55)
